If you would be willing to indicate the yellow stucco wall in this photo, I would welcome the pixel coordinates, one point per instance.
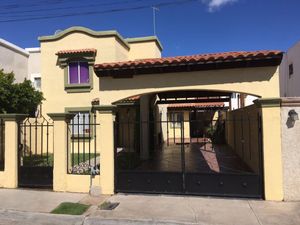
(9, 177)
(109, 49)
(272, 153)
(263, 81)
(143, 50)
(242, 135)
(175, 132)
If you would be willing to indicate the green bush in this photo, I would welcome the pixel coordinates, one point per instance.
(18, 97)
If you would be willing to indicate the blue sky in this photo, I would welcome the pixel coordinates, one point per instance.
(194, 27)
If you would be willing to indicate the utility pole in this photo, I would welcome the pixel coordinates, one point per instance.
(155, 9)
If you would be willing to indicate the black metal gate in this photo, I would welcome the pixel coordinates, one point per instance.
(35, 153)
(185, 164)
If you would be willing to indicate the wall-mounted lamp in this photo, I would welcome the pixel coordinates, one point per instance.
(293, 115)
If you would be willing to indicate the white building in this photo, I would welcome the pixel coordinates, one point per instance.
(34, 66)
(290, 72)
(14, 59)
(24, 63)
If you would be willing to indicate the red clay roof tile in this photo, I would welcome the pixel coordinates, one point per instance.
(197, 105)
(212, 57)
(74, 51)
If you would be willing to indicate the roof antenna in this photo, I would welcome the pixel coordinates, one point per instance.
(155, 9)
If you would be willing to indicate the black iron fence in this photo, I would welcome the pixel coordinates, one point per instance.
(35, 142)
(2, 144)
(216, 156)
(83, 155)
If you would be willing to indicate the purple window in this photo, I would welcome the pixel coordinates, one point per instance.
(78, 73)
(73, 73)
(84, 72)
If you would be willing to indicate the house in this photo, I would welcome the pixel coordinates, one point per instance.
(34, 66)
(25, 63)
(119, 117)
(289, 72)
(14, 59)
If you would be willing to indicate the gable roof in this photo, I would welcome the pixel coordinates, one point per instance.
(222, 60)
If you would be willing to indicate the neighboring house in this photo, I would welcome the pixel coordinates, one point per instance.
(14, 59)
(239, 100)
(34, 66)
(25, 63)
(290, 72)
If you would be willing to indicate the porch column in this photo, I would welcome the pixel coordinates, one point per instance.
(271, 138)
(9, 178)
(106, 115)
(60, 127)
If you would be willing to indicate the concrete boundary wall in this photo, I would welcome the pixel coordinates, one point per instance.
(290, 135)
(242, 135)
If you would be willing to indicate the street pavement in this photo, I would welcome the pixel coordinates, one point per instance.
(144, 210)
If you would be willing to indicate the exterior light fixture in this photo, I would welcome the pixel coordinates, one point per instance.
(293, 115)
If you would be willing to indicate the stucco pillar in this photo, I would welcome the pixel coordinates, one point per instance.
(290, 133)
(60, 149)
(271, 140)
(9, 178)
(106, 115)
(145, 126)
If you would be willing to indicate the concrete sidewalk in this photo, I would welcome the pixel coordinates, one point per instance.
(200, 210)
(35, 200)
(31, 206)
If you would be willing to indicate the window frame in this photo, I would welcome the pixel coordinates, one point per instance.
(291, 69)
(78, 87)
(77, 110)
(178, 123)
(35, 83)
(78, 71)
(63, 62)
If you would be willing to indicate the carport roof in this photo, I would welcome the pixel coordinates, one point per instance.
(212, 61)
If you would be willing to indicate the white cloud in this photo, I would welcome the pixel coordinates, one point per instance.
(213, 5)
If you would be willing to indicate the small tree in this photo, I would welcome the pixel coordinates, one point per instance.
(18, 97)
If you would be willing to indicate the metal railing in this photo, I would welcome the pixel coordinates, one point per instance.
(82, 151)
(36, 142)
(2, 144)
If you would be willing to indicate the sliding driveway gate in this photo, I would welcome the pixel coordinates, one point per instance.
(223, 159)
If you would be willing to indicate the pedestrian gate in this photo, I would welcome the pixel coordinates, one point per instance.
(35, 141)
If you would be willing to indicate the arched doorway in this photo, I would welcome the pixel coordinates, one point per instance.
(188, 142)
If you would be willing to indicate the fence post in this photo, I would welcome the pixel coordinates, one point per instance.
(271, 147)
(60, 145)
(9, 178)
(106, 115)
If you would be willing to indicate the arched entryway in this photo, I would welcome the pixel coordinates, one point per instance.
(189, 142)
